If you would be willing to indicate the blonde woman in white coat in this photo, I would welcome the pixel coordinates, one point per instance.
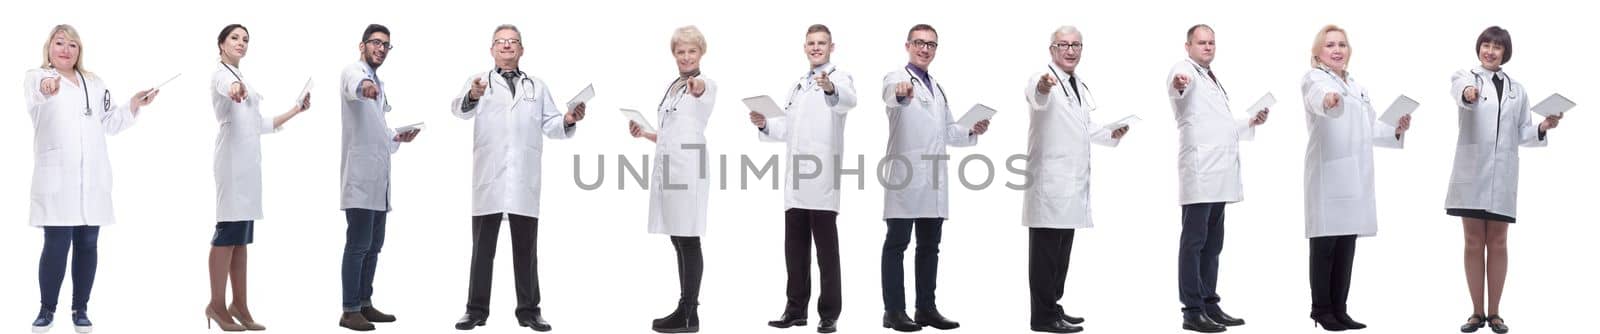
(679, 183)
(1494, 121)
(237, 170)
(1340, 197)
(1056, 202)
(72, 114)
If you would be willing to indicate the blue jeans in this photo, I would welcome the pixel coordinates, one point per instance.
(1198, 250)
(82, 240)
(362, 242)
(928, 231)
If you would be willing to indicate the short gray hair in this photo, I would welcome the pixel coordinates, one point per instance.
(1065, 30)
(508, 26)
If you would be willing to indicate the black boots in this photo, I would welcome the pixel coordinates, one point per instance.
(685, 319)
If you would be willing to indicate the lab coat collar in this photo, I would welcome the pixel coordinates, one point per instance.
(920, 74)
(1060, 73)
(1486, 72)
(1197, 66)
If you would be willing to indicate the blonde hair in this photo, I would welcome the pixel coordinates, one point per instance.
(1322, 38)
(72, 36)
(688, 35)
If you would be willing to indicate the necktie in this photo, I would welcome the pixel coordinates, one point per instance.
(1213, 75)
(511, 80)
(1073, 80)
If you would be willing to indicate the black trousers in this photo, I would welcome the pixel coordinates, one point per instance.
(524, 261)
(1049, 256)
(1332, 258)
(929, 231)
(691, 267)
(801, 226)
(1199, 252)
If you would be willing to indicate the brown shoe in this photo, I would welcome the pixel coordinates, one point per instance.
(354, 321)
(374, 315)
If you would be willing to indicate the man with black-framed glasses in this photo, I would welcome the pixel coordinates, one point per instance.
(366, 144)
(916, 192)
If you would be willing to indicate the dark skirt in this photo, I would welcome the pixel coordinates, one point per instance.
(234, 233)
(1479, 214)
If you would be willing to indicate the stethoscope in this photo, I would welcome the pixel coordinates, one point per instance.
(1198, 69)
(676, 98)
(524, 79)
(235, 74)
(1344, 87)
(806, 83)
(915, 79)
(84, 83)
(1082, 100)
(1477, 78)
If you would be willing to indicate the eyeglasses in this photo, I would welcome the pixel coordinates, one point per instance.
(380, 43)
(510, 41)
(922, 44)
(1067, 46)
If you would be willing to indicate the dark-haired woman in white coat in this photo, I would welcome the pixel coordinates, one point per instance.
(1494, 121)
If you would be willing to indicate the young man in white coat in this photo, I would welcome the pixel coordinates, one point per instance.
(366, 144)
(916, 195)
(512, 113)
(1056, 202)
(813, 129)
(1208, 174)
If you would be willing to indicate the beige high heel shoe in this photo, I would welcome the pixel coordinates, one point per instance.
(248, 325)
(225, 326)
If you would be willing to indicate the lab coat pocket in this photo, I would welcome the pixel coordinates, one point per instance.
(1213, 164)
(47, 172)
(364, 167)
(1341, 179)
(1466, 164)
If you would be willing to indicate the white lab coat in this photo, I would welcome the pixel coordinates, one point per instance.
(681, 209)
(1208, 138)
(1486, 165)
(813, 127)
(236, 165)
(507, 146)
(920, 125)
(1340, 197)
(1059, 135)
(71, 170)
(366, 143)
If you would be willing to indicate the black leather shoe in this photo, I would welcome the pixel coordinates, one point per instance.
(469, 321)
(1058, 326)
(789, 320)
(373, 315)
(534, 321)
(1071, 319)
(827, 326)
(1222, 318)
(1344, 318)
(932, 318)
(1197, 321)
(1497, 324)
(899, 322)
(1473, 324)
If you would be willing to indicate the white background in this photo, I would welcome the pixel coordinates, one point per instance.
(602, 273)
